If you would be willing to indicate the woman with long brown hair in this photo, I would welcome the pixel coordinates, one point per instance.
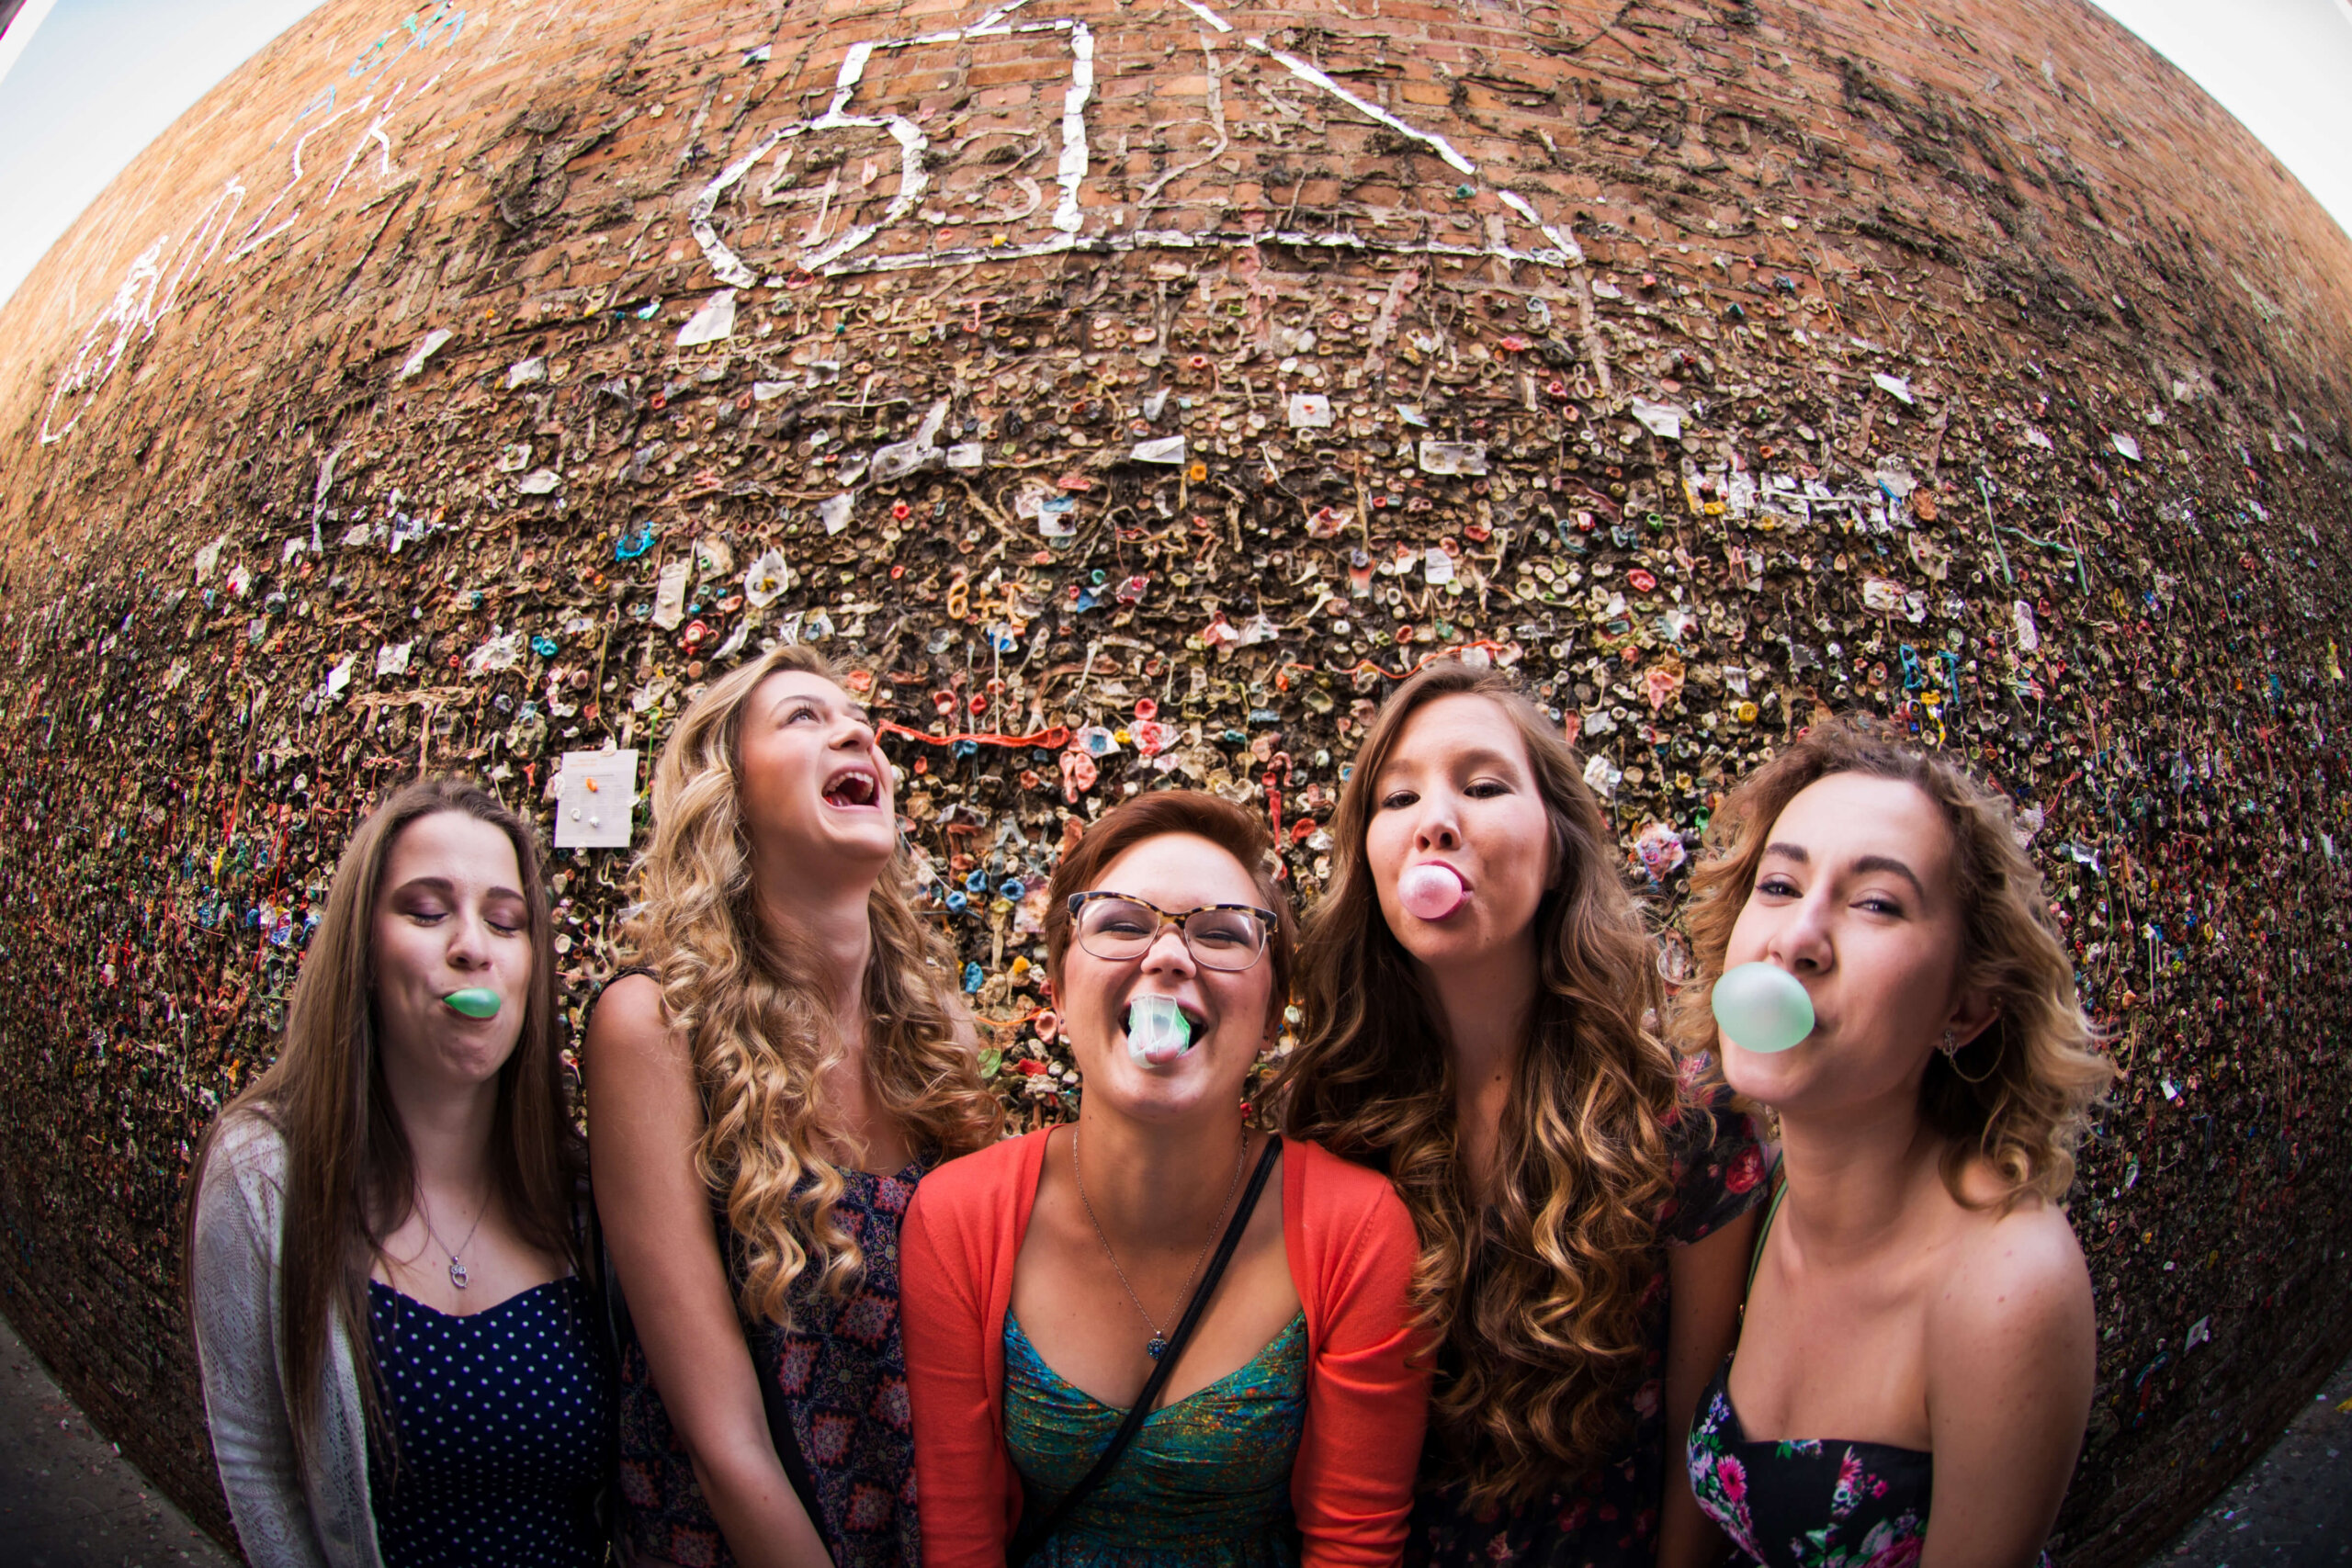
(1479, 993)
(384, 1270)
(765, 1086)
(1920, 1312)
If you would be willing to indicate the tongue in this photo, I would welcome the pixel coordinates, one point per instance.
(1158, 1032)
(1431, 892)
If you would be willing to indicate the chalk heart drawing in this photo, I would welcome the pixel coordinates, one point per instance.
(849, 229)
(886, 241)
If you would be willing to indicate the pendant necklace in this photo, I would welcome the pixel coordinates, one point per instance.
(457, 1275)
(1156, 1346)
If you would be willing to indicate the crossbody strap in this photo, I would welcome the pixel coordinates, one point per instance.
(1030, 1540)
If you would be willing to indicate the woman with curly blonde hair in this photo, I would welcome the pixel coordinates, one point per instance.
(1477, 987)
(1917, 1293)
(765, 1085)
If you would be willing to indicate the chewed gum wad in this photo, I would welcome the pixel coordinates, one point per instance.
(475, 1001)
(1158, 1032)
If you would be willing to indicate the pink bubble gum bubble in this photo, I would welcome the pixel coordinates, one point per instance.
(1431, 892)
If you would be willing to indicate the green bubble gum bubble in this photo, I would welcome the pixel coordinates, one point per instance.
(474, 1002)
(1762, 1007)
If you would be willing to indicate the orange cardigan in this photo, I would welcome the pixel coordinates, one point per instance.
(1351, 1246)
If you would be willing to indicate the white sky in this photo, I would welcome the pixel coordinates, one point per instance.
(100, 79)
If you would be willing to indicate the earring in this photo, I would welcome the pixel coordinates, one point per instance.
(1949, 1044)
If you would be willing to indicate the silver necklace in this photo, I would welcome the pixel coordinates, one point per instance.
(1156, 1346)
(457, 1275)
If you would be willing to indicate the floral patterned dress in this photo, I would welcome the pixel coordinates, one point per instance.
(1608, 1516)
(1205, 1485)
(842, 1370)
(1812, 1503)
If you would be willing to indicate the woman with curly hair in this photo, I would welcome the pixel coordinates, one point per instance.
(1919, 1309)
(1478, 988)
(765, 1085)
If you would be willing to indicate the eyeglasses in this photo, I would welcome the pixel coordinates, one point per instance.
(1115, 928)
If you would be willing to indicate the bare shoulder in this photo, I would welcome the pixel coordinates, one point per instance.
(629, 1034)
(2012, 1277)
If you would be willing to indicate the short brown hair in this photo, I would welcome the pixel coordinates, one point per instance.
(2019, 1094)
(1156, 814)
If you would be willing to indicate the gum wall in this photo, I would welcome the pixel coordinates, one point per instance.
(1129, 388)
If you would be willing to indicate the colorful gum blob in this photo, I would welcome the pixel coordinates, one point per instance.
(1158, 1032)
(475, 1001)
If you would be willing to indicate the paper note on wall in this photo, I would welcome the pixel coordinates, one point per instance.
(595, 798)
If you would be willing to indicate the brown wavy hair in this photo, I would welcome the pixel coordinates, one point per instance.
(350, 1177)
(752, 1001)
(1539, 1306)
(2019, 1094)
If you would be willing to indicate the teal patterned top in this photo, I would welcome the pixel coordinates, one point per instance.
(1204, 1485)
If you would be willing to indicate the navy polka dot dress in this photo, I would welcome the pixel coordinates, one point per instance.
(503, 1423)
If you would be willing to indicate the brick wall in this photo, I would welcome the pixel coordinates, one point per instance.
(2008, 379)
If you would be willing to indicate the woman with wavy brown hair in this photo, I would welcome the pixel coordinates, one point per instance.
(767, 1083)
(1919, 1292)
(1478, 989)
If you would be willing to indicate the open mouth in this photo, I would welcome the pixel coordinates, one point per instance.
(1194, 1019)
(852, 787)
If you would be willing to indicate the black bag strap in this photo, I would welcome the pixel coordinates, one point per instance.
(618, 1331)
(1764, 1231)
(786, 1441)
(1025, 1545)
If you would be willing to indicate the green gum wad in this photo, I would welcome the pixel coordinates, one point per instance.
(474, 1002)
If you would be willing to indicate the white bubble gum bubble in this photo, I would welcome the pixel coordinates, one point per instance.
(1431, 892)
(1762, 1007)
(1158, 1032)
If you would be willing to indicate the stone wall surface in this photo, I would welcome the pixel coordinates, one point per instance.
(1131, 392)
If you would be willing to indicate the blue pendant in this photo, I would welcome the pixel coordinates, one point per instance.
(1157, 1348)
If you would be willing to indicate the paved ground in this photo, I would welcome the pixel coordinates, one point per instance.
(2293, 1507)
(68, 1500)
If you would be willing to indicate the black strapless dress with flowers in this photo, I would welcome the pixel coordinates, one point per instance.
(1810, 1503)
(1817, 1503)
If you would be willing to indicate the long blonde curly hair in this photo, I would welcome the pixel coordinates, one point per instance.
(754, 1007)
(1541, 1303)
(2019, 1094)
